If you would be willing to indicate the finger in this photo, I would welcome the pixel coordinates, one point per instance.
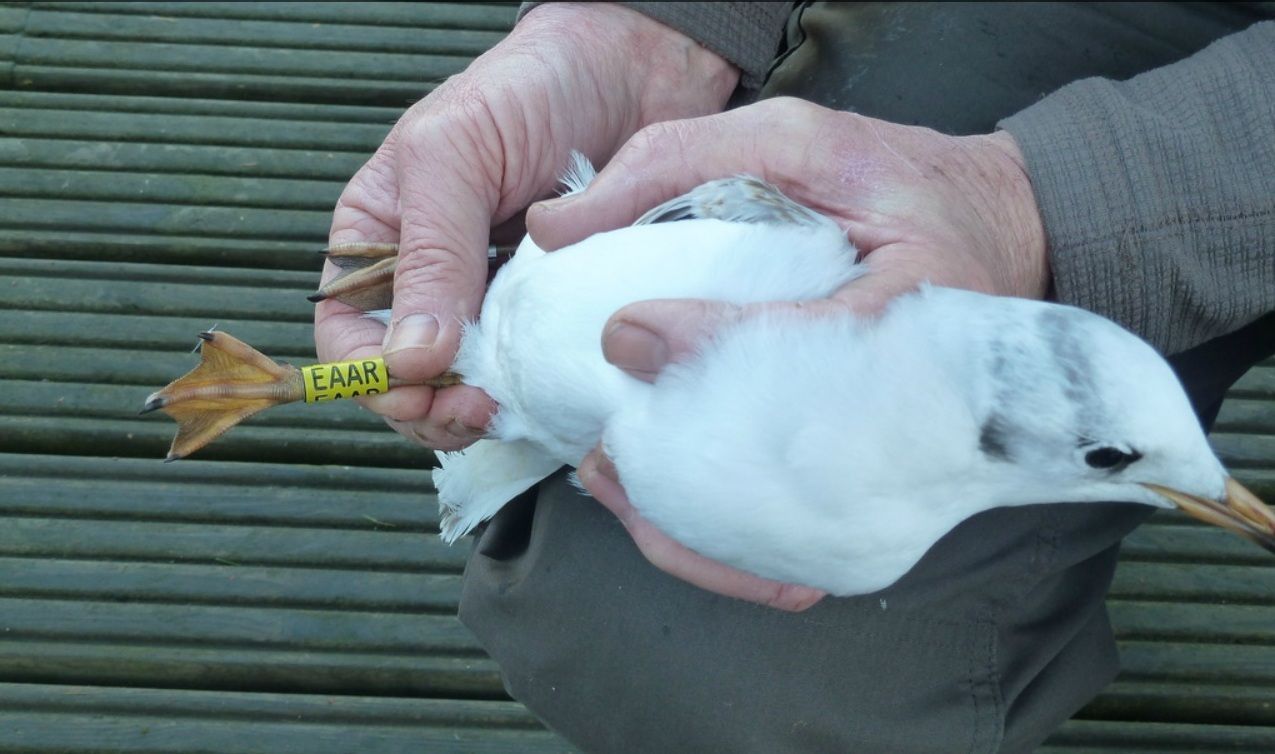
(644, 337)
(447, 202)
(650, 168)
(901, 268)
(363, 214)
(597, 474)
(446, 420)
(667, 159)
(459, 414)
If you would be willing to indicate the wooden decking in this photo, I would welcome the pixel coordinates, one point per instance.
(168, 166)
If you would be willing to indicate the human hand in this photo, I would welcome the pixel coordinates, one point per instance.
(920, 207)
(469, 158)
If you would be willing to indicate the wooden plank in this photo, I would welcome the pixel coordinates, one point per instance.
(203, 130)
(1243, 450)
(1197, 584)
(1229, 623)
(157, 625)
(491, 16)
(212, 501)
(96, 733)
(157, 81)
(1207, 704)
(1191, 544)
(198, 190)
(1202, 662)
(230, 546)
(141, 720)
(244, 586)
(211, 302)
(368, 55)
(176, 219)
(1246, 416)
(338, 670)
(54, 22)
(1112, 737)
(146, 106)
(12, 17)
(366, 70)
(248, 706)
(260, 161)
(300, 282)
(41, 433)
(269, 479)
(125, 246)
(282, 340)
(1258, 382)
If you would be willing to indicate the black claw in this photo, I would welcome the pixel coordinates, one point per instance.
(152, 403)
(206, 335)
(316, 297)
(324, 251)
(172, 457)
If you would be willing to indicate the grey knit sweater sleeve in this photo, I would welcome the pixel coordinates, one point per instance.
(745, 34)
(1158, 193)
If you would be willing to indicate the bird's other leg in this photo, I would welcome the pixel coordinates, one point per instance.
(365, 275)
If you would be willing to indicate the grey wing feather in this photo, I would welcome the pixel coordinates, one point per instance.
(742, 199)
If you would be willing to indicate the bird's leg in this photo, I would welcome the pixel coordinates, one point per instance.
(234, 381)
(365, 275)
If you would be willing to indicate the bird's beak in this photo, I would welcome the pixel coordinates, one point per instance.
(1240, 511)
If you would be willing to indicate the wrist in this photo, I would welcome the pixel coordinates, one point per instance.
(1025, 244)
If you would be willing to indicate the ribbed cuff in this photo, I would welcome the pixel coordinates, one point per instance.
(1157, 194)
(747, 35)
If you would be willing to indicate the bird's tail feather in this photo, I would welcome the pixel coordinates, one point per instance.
(475, 483)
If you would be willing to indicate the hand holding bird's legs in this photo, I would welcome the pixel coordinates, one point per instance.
(468, 158)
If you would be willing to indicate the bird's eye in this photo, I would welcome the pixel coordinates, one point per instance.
(1108, 457)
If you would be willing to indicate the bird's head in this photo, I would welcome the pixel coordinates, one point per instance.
(1092, 411)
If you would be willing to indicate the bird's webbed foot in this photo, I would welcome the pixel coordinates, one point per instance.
(232, 382)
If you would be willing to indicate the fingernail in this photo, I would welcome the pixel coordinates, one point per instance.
(634, 348)
(412, 331)
(456, 428)
(553, 205)
(597, 464)
(604, 466)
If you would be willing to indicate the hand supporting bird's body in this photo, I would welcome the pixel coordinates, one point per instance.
(829, 451)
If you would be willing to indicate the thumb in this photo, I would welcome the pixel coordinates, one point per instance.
(644, 337)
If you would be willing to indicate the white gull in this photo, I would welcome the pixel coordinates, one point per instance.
(828, 451)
